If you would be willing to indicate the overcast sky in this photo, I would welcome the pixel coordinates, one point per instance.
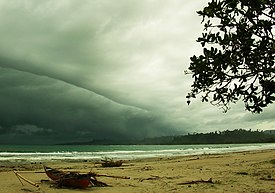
(76, 70)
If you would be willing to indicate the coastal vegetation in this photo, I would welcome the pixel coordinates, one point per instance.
(217, 137)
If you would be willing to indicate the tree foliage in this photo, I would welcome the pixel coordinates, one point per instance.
(238, 54)
(226, 137)
(218, 137)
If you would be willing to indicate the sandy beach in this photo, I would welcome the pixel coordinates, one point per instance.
(252, 171)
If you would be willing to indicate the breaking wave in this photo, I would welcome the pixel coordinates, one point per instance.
(52, 153)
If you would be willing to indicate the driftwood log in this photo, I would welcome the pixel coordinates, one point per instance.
(158, 178)
(210, 181)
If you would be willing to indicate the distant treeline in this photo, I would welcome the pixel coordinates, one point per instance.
(217, 137)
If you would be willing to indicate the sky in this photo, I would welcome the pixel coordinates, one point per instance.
(77, 70)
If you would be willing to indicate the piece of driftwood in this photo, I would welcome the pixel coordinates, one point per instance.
(25, 179)
(159, 178)
(36, 172)
(267, 179)
(110, 176)
(150, 178)
(108, 162)
(210, 181)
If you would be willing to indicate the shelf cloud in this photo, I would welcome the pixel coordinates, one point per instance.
(80, 70)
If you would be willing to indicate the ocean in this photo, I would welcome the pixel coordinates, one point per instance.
(36, 153)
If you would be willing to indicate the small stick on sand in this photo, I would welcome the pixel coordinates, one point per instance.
(197, 181)
(25, 179)
(109, 176)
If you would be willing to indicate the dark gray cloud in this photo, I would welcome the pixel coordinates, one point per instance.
(78, 70)
(34, 106)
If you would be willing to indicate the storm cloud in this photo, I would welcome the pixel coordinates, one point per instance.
(80, 70)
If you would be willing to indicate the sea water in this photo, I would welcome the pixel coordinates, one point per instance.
(122, 152)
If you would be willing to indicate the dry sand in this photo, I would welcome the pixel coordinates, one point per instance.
(232, 172)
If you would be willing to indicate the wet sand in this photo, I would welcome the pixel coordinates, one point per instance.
(232, 172)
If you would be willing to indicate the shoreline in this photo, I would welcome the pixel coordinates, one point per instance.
(248, 171)
(81, 153)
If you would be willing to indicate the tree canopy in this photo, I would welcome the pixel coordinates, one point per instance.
(238, 54)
